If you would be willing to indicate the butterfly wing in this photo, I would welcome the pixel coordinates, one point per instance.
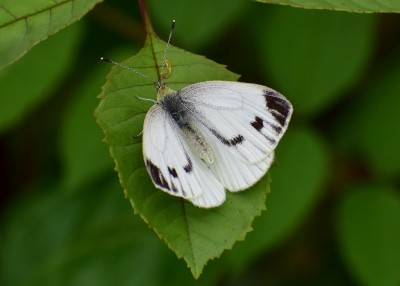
(233, 173)
(247, 119)
(242, 123)
(172, 165)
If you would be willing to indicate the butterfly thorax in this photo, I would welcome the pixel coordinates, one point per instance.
(173, 105)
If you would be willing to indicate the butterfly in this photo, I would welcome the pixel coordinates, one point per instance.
(212, 136)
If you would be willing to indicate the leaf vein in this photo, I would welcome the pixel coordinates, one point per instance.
(23, 18)
(188, 233)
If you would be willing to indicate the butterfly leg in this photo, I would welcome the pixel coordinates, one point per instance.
(137, 135)
(147, 99)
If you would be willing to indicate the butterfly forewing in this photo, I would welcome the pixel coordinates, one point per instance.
(248, 119)
(172, 165)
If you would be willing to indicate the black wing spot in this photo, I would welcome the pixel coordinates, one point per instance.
(173, 172)
(277, 104)
(157, 175)
(257, 123)
(189, 167)
(174, 189)
(236, 140)
(232, 142)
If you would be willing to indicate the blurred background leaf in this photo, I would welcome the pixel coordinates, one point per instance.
(332, 217)
(369, 234)
(84, 157)
(369, 128)
(329, 57)
(26, 84)
(80, 239)
(198, 22)
(351, 6)
(289, 203)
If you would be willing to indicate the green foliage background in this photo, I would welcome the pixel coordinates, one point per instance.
(334, 209)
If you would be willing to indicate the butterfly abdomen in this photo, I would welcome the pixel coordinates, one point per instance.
(198, 144)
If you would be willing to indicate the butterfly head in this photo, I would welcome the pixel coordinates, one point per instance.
(162, 90)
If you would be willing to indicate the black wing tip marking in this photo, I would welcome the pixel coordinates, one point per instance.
(277, 128)
(157, 176)
(279, 106)
(175, 190)
(173, 172)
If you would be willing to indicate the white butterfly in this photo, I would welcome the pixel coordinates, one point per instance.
(212, 136)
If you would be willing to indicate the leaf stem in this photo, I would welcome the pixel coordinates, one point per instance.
(145, 17)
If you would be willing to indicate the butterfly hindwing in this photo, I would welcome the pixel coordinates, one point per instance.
(235, 174)
(231, 171)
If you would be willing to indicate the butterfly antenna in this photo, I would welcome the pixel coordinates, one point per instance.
(104, 59)
(166, 47)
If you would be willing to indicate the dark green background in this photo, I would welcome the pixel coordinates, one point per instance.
(334, 211)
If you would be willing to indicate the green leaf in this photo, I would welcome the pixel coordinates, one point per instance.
(83, 156)
(23, 24)
(367, 6)
(215, 17)
(369, 234)
(301, 156)
(195, 234)
(330, 54)
(27, 83)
